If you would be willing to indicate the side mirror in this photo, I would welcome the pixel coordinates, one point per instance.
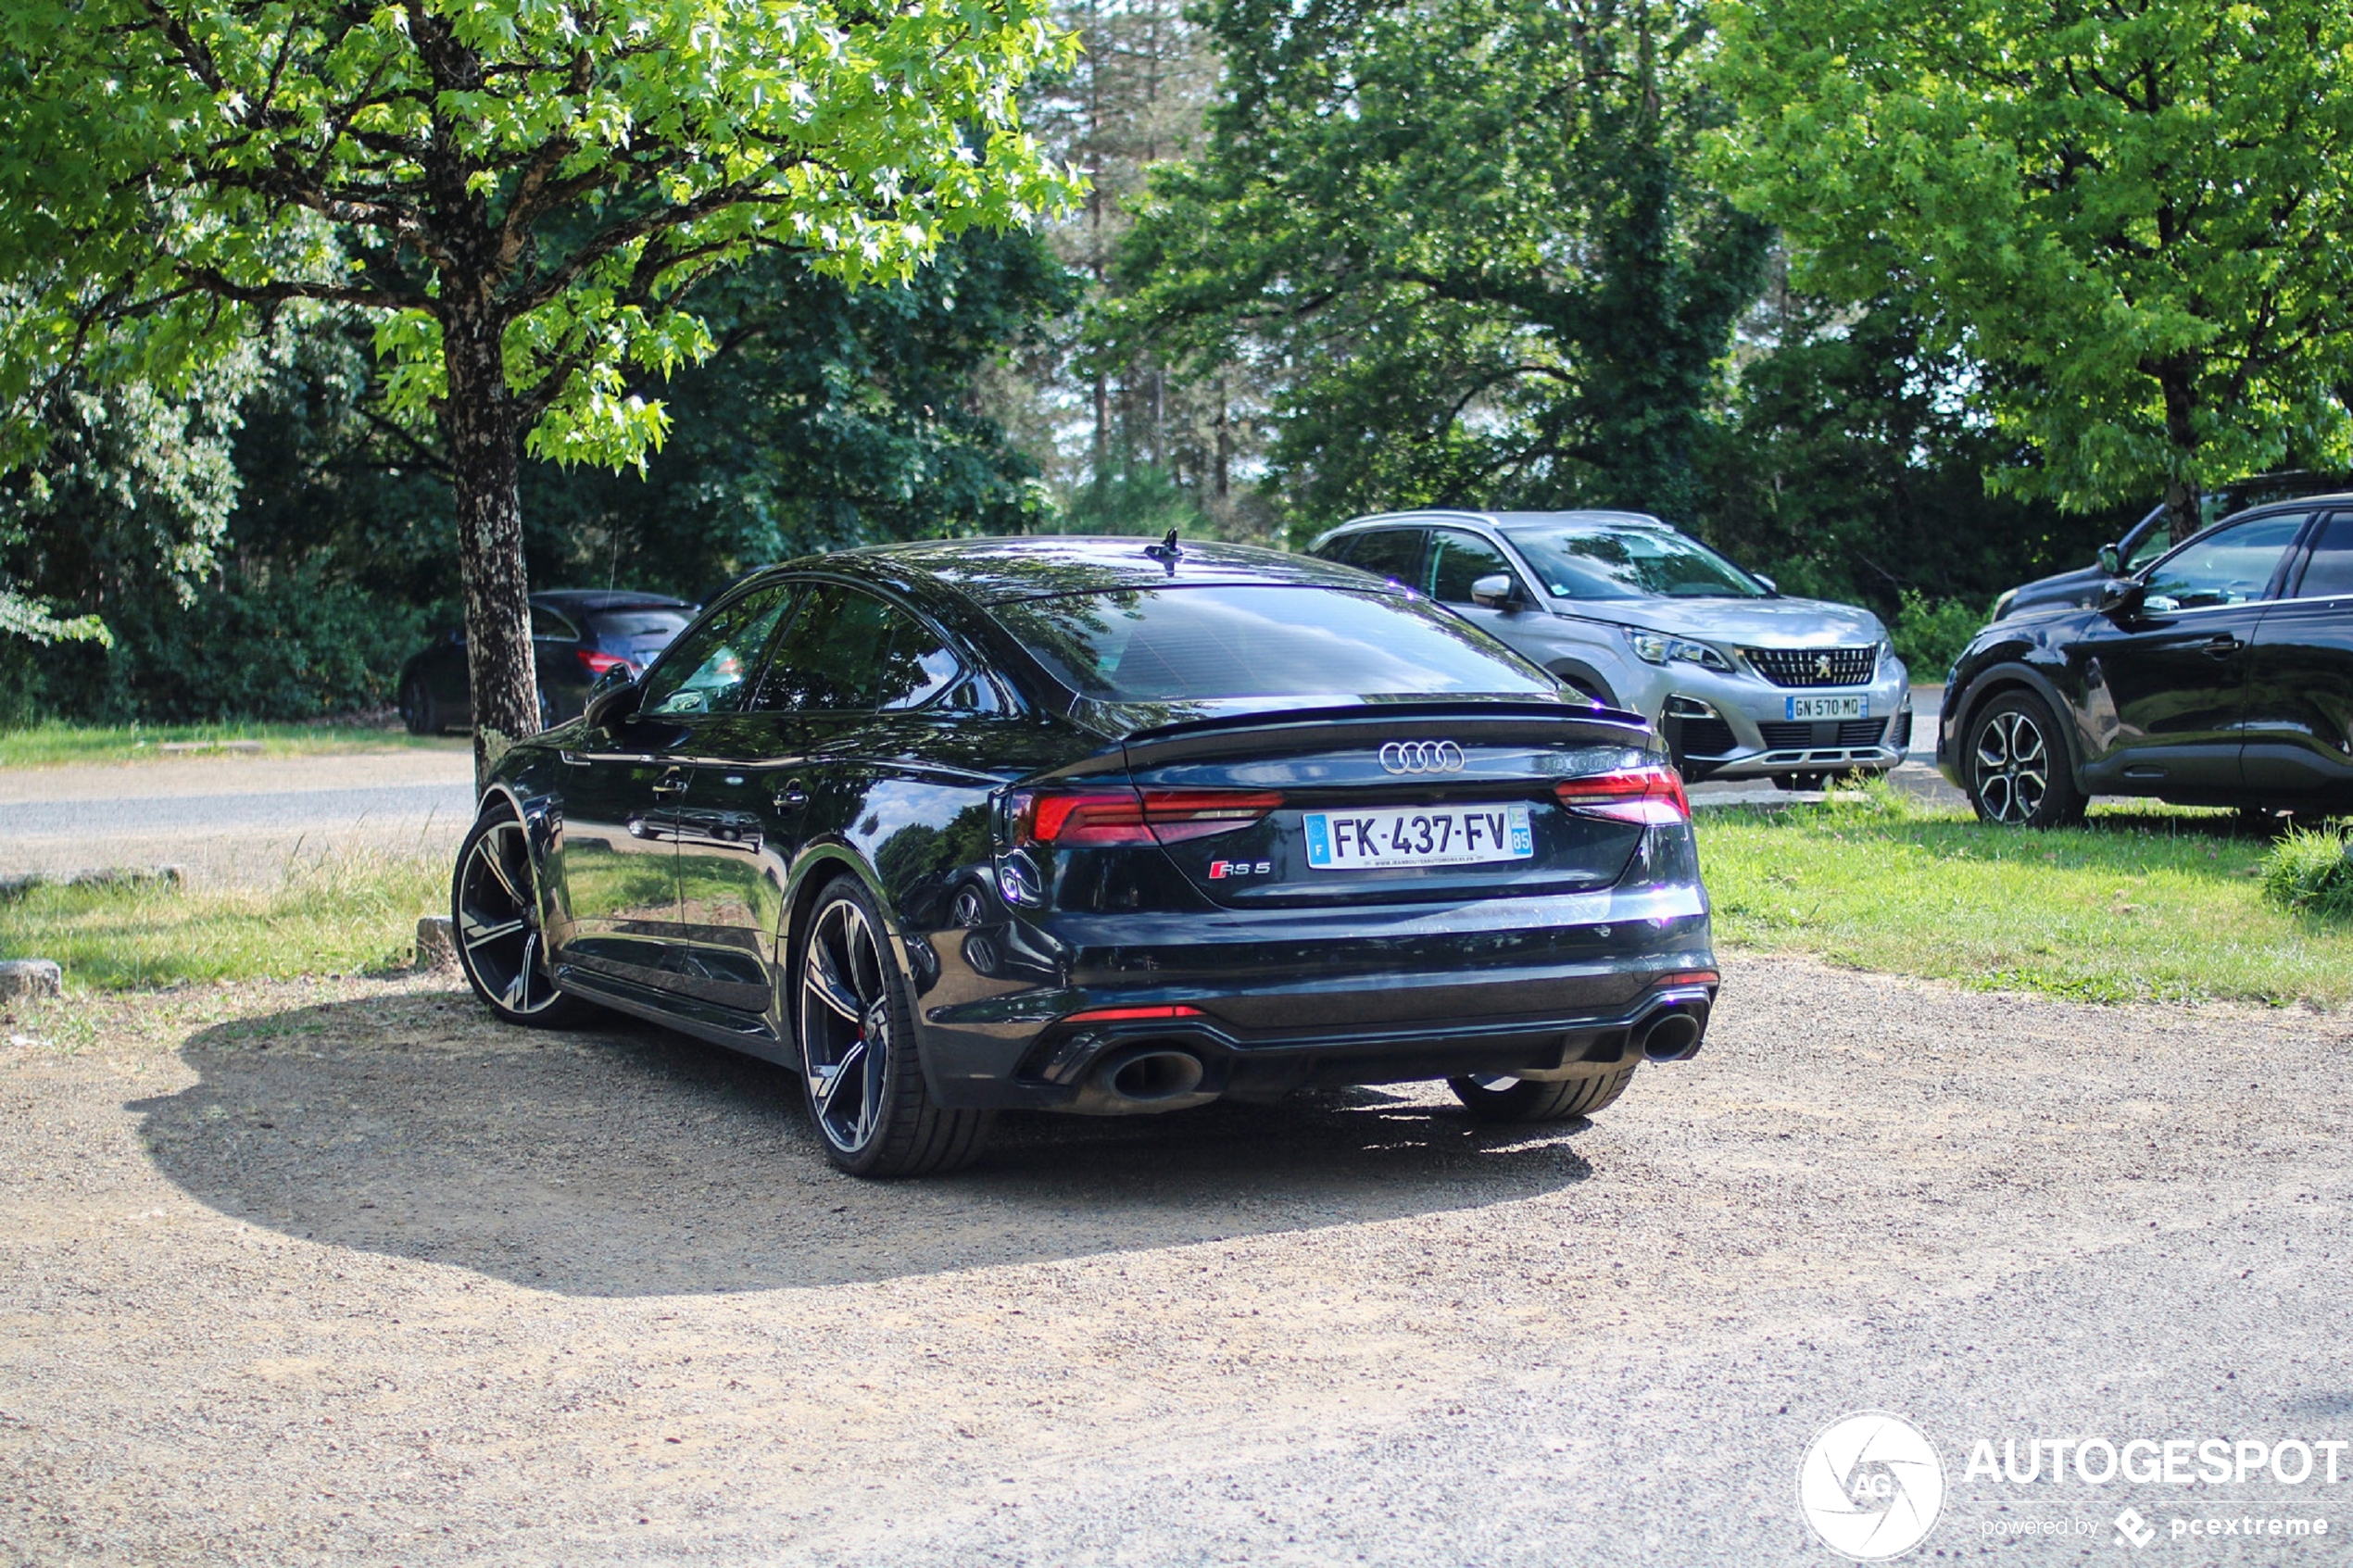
(612, 701)
(2121, 598)
(1770, 586)
(2112, 560)
(1495, 592)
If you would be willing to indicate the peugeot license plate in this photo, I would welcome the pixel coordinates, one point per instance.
(1830, 706)
(1419, 836)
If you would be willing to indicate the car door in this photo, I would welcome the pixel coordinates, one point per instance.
(625, 791)
(2165, 685)
(856, 722)
(1457, 559)
(563, 686)
(2299, 688)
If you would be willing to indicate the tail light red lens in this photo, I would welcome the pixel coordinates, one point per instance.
(1122, 1016)
(1177, 815)
(1083, 819)
(597, 663)
(1638, 794)
(1069, 820)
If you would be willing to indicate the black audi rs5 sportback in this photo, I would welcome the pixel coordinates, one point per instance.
(1097, 826)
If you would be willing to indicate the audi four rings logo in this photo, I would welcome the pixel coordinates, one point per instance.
(1422, 756)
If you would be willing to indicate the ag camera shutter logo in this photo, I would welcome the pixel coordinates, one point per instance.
(1870, 1486)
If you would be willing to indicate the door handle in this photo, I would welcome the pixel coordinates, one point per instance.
(792, 797)
(2220, 646)
(671, 782)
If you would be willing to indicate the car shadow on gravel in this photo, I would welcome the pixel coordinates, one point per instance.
(628, 1161)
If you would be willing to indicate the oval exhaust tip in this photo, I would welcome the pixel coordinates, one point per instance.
(1672, 1036)
(1153, 1075)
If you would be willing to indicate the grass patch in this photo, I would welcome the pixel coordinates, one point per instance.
(49, 744)
(2311, 870)
(2139, 903)
(351, 915)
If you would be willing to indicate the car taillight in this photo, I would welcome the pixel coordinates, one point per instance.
(597, 663)
(1123, 1015)
(1638, 794)
(1080, 818)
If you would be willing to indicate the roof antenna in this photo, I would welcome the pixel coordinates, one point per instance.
(1165, 552)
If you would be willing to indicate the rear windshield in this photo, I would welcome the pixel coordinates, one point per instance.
(1179, 644)
(1630, 563)
(638, 622)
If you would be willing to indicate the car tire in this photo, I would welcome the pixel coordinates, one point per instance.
(494, 924)
(2015, 765)
(867, 1098)
(1520, 1099)
(418, 710)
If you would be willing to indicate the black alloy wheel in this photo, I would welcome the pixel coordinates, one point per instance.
(866, 1090)
(1493, 1098)
(495, 915)
(418, 710)
(2017, 765)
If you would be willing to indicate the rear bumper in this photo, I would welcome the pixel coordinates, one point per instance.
(1279, 1000)
(1263, 1066)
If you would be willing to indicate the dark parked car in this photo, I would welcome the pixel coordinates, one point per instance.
(1082, 825)
(577, 635)
(2219, 673)
(2149, 538)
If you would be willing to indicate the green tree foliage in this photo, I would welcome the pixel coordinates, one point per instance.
(828, 417)
(2135, 218)
(1849, 463)
(1469, 239)
(523, 191)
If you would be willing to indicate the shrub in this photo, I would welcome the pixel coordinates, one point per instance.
(2311, 869)
(1929, 635)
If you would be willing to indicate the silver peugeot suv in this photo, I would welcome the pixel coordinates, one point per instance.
(1741, 682)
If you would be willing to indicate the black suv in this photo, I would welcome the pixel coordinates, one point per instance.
(2218, 674)
(2151, 537)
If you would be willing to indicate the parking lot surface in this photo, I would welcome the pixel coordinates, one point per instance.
(235, 820)
(342, 1273)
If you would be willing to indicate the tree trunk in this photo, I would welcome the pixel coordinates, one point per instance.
(2183, 515)
(478, 423)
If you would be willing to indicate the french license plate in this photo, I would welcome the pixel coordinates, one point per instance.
(1420, 836)
(1830, 706)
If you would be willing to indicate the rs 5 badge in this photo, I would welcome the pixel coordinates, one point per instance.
(1220, 870)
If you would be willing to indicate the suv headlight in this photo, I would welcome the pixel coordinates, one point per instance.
(1656, 648)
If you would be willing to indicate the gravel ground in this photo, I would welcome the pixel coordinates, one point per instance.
(339, 1273)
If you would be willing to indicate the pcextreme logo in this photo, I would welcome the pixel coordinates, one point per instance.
(1870, 1486)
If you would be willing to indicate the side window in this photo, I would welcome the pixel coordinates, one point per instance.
(849, 652)
(1393, 553)
(704, 670)
(2153, 544)
(1463, 560)
(2229, 567)
(546, 622)
(2329, 574)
